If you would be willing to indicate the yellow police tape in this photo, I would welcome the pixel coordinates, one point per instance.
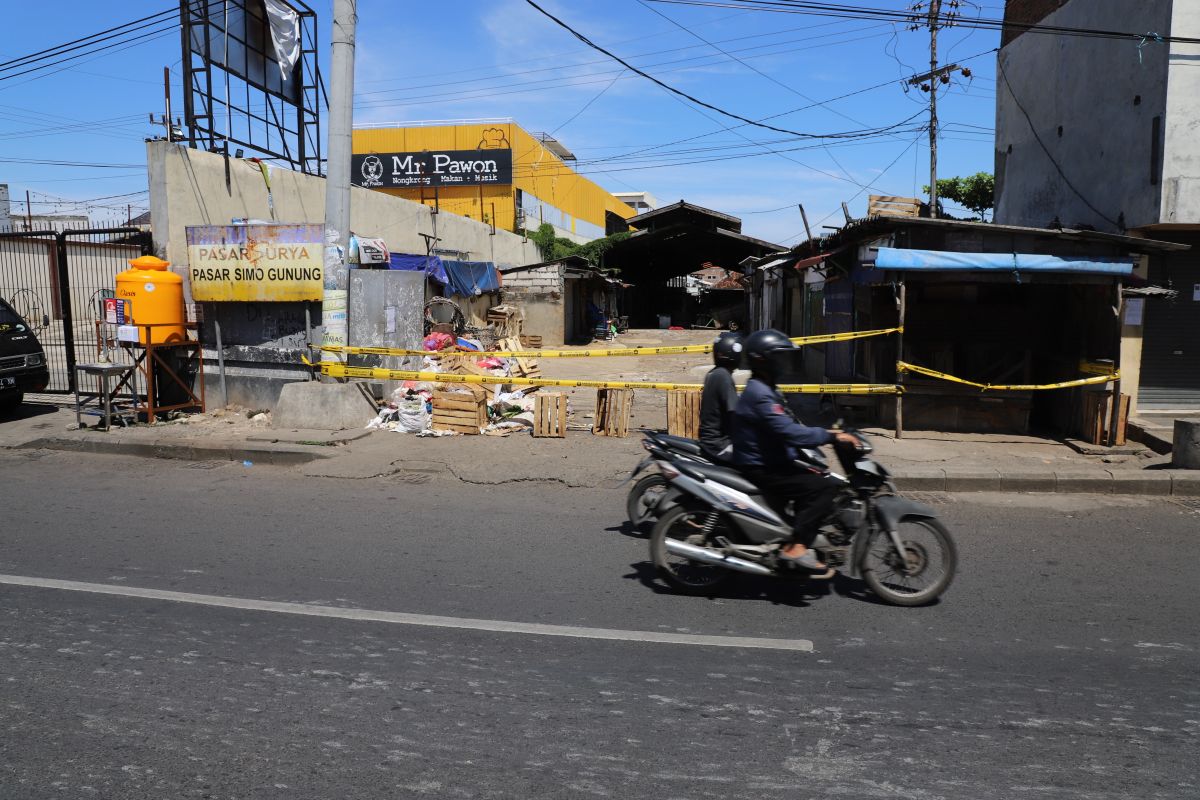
(628, 351)
(339, 370)
(902, 366)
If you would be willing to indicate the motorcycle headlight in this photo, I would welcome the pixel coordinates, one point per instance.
(35, 360)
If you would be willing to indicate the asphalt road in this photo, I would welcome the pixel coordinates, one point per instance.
(1061, 663)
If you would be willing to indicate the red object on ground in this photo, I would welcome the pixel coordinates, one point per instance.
(675, 328)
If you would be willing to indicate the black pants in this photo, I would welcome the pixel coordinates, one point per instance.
(814, 493)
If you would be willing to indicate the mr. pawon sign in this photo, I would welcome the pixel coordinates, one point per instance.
(432, 168)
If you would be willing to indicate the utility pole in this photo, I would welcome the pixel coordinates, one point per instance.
(935, 10)
(930, 80)
(337, 179)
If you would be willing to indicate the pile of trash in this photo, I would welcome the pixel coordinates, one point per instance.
(510, 408)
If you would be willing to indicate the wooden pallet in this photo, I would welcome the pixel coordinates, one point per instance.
(460, 412)
(613, 407)
(1097, 416)
(550, 415)
(683, 413)
(525, 367)
(882, 205)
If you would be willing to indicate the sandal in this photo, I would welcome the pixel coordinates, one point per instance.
(807, 561)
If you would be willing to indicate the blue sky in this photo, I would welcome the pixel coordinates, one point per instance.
(469, 59)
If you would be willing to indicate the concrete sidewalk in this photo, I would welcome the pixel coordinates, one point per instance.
(922, 461)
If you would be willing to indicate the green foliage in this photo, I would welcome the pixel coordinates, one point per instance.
(553, 247)
(976, 192)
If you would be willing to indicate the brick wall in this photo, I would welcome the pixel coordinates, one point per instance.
(1028, 12)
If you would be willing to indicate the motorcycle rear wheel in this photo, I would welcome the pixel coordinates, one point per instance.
(646, 491)
(931, 561)
(681, 573)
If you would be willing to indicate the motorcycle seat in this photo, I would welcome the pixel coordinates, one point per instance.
(729, 477)
(679, 444)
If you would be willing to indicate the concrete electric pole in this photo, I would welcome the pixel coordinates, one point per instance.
(930, 81)
(337, 178)
(935, 10)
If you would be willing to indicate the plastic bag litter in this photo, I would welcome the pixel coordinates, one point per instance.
(384, 418)
(413, 416)
(432, 432)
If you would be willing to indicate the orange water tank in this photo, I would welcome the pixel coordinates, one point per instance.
(155, 297)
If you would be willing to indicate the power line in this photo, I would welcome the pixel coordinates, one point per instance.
(672, 89)
(582, 64)
(861, 12)
(486, 91)
(54, 163)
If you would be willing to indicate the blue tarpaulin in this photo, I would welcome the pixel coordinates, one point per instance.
(895, 258)
(469, 278)
(431, 265)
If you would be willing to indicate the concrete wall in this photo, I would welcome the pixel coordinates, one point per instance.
(542, 315)
(539, 294)
(187, 187)
(263, 342)
(1104, 99)
(1181, 148)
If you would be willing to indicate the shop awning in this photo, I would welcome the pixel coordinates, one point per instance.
(812, 261)
(944, 260)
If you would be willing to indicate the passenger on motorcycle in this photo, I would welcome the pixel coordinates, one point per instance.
(719, 398)
(767, 438)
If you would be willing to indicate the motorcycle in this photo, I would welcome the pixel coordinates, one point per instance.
(714, 523)
(647, 492)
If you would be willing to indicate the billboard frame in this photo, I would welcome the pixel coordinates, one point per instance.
(227, 107)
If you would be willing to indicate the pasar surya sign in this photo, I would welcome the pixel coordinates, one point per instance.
(255, 263)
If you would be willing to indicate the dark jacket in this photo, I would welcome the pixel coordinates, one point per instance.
(717, 402)
(765, 434)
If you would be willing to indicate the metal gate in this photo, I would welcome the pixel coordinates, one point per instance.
(56, 279)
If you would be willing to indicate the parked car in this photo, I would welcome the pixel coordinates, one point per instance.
(22, 360)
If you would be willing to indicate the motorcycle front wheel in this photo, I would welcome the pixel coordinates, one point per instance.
(645, 494)
(922, 575)
(681, 573)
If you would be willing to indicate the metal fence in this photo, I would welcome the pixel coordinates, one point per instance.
(56, 280)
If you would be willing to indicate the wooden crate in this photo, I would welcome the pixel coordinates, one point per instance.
(613, 407)
(531, 342)
(456, 411)
(550, 415)
(1097, 416)
(683, 413)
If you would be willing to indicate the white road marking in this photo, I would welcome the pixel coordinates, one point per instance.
(399, 618)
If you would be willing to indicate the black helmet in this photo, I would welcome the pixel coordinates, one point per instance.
(727, 350)
(767, 353)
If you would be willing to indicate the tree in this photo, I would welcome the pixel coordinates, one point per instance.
(554, 247)
(976, 192)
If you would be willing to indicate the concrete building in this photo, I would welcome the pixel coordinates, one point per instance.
(1100, 133)
(493, 171)
(641, 202)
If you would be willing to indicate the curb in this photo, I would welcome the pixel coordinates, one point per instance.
(278, 455)
(1159, 483)
(1150, 437)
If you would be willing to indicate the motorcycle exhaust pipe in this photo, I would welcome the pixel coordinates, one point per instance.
(704, 556)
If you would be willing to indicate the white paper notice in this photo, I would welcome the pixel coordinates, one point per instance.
(1134, 307)
(390, 311)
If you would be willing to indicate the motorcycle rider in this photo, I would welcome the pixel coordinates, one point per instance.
(718, 399)
(766, 440)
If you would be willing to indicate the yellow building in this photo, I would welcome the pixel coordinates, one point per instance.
(490, 170)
